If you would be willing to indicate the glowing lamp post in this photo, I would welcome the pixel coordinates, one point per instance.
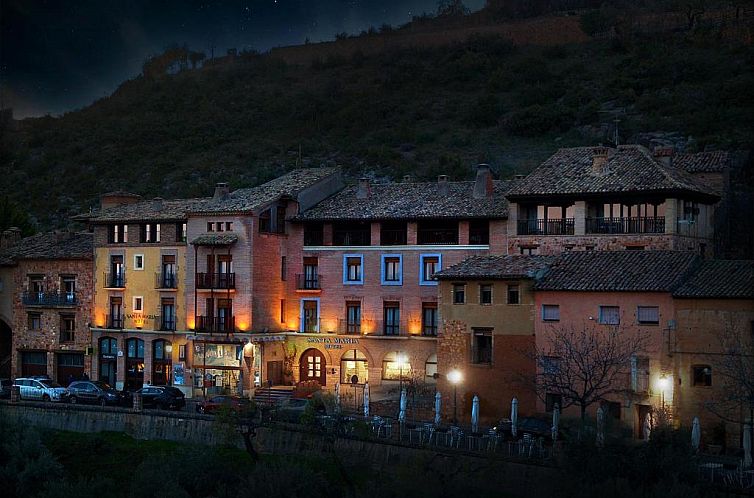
(663, 383)
(455, 378)
(401, 362)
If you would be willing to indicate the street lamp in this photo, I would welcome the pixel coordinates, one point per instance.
(455, 378)
(663, 383)
(401, 362)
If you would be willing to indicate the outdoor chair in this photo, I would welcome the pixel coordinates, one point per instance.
(453, 437)
(493, 439)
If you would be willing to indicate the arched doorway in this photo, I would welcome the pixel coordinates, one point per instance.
(312, 366)
(162, 362)
(108, 360)
(6, 349)
(134, 364)
(354, 366)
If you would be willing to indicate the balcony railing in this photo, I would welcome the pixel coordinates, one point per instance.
(393, 237)
(166, 323)
(166, 280)
(346, 328)
(215, 280)
(546, 226)
(437, 236)
(115, 280)
(49, 299)
(313, 238)
(351, 238)
(215, 323)
(308, 282)
(114, 321)
(626, 225)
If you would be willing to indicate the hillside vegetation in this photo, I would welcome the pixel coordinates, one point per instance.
(407, 111)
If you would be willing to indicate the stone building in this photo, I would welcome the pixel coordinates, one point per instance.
(47, 280)
(487, 333)
(603, 198)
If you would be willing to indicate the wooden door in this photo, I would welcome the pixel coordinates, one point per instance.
(275, 372)
(312, 366)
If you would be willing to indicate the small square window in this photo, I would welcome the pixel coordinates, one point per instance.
(219, 226)
(459, 293)
(701, 375)
(35, 321)
(138, 303)
(485, 294)
(228, 226)
(353, 269)
(392, 270)
(210, 226)
(429, 265)
(550, 365)
(67, 328)
(138, 261)
(481, 346)
(513, 294)
(648, 315)
(609, 315)
(550, 312)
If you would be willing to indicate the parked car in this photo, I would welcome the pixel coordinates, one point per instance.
(163, 397)
(5, 388)
(40, 389)
(215, 403)
(101, 393)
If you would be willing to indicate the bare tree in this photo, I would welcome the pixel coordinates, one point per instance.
(734, 366)
(584, 365)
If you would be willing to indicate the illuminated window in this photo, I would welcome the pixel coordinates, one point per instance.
(395, 366)
(354, 368)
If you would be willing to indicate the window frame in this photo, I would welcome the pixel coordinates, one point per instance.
(346, 273)
(707, 381)
(483, 292)
(508, 290)
(601, 316)
(475, 356)
(423, 280)
(434, 327)
(383, 261)
(143, 262)
(552, 307)
(454, 293)
(644, 322)
(30, 319)
(133, 303)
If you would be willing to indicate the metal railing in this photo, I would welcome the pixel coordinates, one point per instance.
(446, 236)
(166, 280)
(308, 282)
(639, 224)
(114, 321)
(393, 237)
(115, 280)
(166, 323)
(49, 299)
(313, 238)
(546, 226)
(215, 323)
(215, 280)
(349, 328)
(351, 237)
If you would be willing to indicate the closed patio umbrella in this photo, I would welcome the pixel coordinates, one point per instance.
(337, 397)
(402, 411)
(647, 427)
(555, 422)
(366, 399)
(438, 402)
(747, 445)
(514, 416)
(696, 434)
(475, 414)
(600, 427)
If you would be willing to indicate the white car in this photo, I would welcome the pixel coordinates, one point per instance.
(40, 389)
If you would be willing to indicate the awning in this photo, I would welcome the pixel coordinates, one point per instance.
(215, 239)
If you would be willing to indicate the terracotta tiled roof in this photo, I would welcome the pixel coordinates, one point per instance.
(618, 271)
(411, 200)
(249, 199)
(497, 267)
(51, 245)
(215, 239)
(703, 162)
(629, 168)
(720, 279)
(152, 210)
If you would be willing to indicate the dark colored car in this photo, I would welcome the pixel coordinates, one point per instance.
(215, 403)
(162, 397)
(96, 392)
(5, 388)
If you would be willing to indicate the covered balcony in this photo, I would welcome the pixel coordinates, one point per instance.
(224, 280)
(622, 217)
(205, 323)
(51, 299)
(546, 220)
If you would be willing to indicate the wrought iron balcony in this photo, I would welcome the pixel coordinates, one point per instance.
(49, 299)
(389, 237)
(166, 280)
(215, 324)
(308, 282)
(444, 236)
(165, 323)
(640, 224)
(215, 280)
(114, 321)
(115, 280)
(349, 328)
(546, 226)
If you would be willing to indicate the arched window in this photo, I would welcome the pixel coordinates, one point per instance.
(395, 366)
(354, 365)
(134, 348)
(430, 368)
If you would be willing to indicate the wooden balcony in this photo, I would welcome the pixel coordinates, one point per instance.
(546, 226)
(625, 225)
(215, 280)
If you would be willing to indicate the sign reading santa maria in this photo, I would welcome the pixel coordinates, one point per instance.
(333, 342)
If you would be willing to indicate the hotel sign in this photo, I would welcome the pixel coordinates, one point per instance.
(333, 342)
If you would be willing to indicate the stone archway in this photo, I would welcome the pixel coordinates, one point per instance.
(6, 349)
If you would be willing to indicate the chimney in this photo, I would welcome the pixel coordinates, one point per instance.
(442, 185)
(118, 198)
(221, 191)
(599, 159)
(363, 191)
(483, 184)
(157, 203)
(406, 178)
(10, 237)
(664, 155)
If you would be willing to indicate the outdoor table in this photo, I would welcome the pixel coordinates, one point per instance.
(712, 466)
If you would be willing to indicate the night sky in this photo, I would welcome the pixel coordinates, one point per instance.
(61, 55)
